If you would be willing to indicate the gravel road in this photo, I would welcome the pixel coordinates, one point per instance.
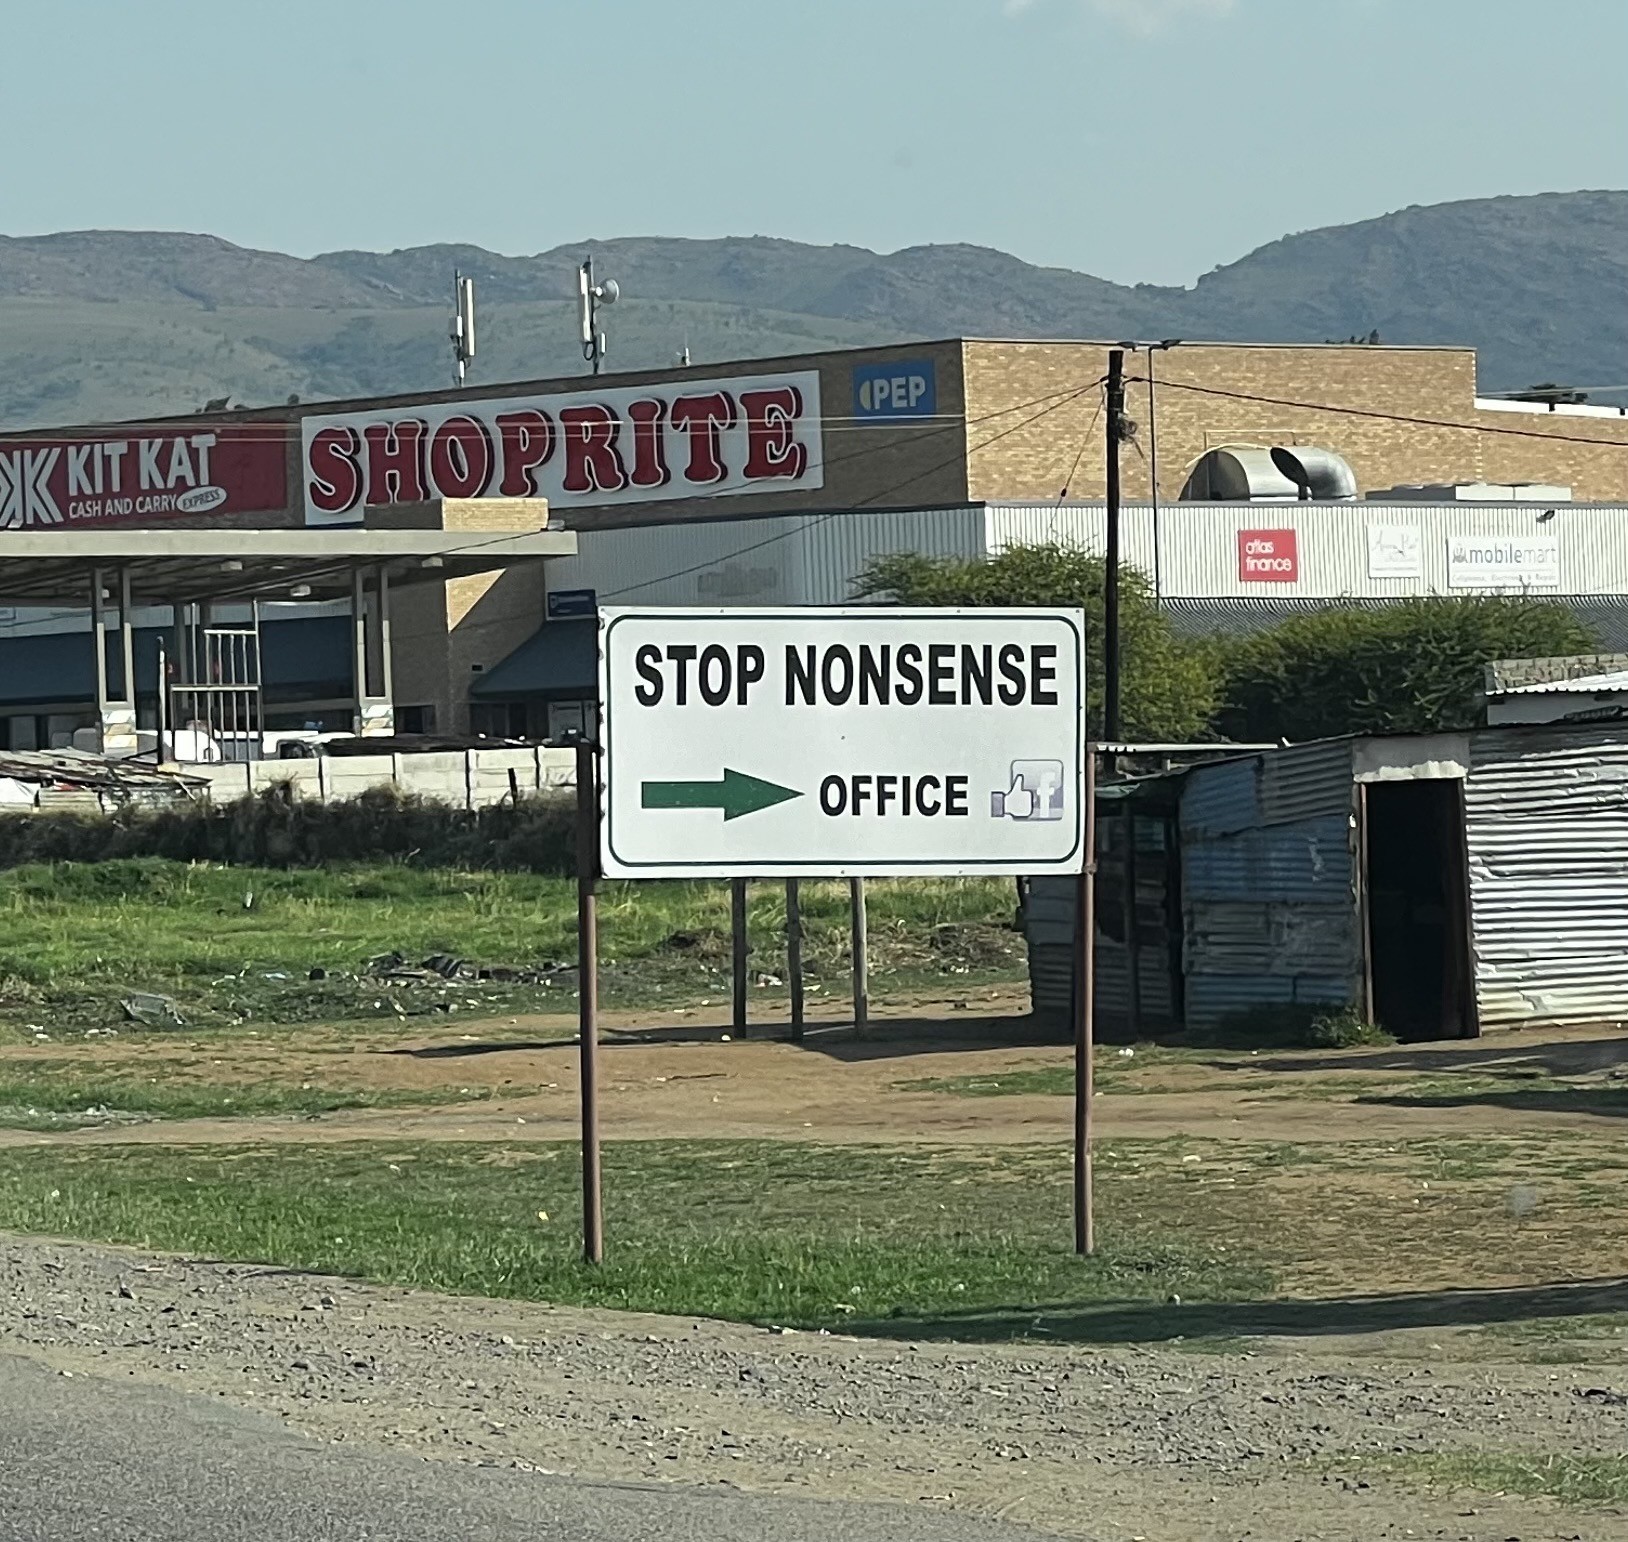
(1110, 1445)
(84, 1457)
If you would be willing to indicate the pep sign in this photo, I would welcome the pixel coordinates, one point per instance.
(841, 742)
(901, 388)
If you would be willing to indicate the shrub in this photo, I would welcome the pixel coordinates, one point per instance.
(275, 829)
(1293, 1025)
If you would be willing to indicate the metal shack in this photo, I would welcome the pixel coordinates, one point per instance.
(1441, 883)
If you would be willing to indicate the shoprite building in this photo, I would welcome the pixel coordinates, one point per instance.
(815, 462)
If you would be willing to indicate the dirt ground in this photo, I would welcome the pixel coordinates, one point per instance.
(1285, 1441)
(685, 1078)
(1288, 1445)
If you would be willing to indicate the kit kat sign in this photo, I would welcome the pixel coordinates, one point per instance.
(135, 477)
(634, 444)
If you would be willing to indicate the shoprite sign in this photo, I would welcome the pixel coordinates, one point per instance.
(631, 444)
(140, 474)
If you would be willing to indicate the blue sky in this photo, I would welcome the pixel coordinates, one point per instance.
(1142, 140)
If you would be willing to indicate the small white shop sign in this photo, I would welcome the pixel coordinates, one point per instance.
(1395, 551)
(1503, 562)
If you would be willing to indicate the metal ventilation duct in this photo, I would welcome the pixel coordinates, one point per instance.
(1248, 473)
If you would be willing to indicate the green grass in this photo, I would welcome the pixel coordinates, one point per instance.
(853, 1239)
(237, 944)
(1256, 1240)
(1049, 1080)
(51, 1101)
(1572, 1480)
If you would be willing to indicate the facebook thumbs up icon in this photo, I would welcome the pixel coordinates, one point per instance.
(1036, 792)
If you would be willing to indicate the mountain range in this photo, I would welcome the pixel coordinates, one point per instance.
(106, 324)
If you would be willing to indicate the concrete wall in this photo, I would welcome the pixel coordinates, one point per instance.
(465, 779)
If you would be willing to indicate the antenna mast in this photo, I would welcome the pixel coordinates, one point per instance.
(463, 325)
(590, 296)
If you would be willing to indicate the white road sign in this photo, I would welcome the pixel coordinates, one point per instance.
(841, 742)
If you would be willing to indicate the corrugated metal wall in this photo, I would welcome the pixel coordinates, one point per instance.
(1197, 546)
(793, 559)
(1546, 814)
(1048, 925)
(1268, 898)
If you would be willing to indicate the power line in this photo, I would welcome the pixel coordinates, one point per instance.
(814, 522)
(1390, 417)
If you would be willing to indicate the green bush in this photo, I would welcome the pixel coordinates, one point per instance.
(1293, 1025)
(275, 829)
(1170, 685)
(1415, 666)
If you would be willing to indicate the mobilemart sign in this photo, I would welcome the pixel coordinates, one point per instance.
(1503, 561)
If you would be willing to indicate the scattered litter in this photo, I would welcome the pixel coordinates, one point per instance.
(1127, 1053)
(542, 1215)
(277, 974)
(723, 1038)
(152, 1010)
(768, 979)
(1603, 1395)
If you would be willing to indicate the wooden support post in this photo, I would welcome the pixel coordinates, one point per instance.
(738, 953)
(861, 950)
(794, 956)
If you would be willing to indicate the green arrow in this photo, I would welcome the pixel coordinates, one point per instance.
(735, 793)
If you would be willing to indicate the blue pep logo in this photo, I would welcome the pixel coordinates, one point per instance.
(897, 388)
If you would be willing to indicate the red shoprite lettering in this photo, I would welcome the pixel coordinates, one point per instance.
(659, 442)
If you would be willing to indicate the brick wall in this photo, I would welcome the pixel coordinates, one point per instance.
(1033, 408)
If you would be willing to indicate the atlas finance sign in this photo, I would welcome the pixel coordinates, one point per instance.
(133, 476)
(634, 444)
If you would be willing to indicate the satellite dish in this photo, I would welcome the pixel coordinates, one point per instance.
(1288, 463)
(609, 292)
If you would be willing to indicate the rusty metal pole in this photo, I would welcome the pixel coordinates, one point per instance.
(861, 957)
(1085, 1237)
(738, 950)
(794, 956)
(593, 1215)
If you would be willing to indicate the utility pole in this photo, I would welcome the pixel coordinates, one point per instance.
(1110, 581)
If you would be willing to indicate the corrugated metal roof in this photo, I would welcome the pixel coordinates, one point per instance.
(1585, 685)
(1546, 814)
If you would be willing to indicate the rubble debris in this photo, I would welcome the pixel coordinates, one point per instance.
(152, 1010)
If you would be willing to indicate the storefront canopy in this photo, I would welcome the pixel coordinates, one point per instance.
(561, 660)
(55, 567)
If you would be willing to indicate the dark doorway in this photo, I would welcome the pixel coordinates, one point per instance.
(1420, 981)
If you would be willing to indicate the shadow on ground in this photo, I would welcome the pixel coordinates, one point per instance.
(1150, 1322)
(1607, 1102)
(1567, 1058)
